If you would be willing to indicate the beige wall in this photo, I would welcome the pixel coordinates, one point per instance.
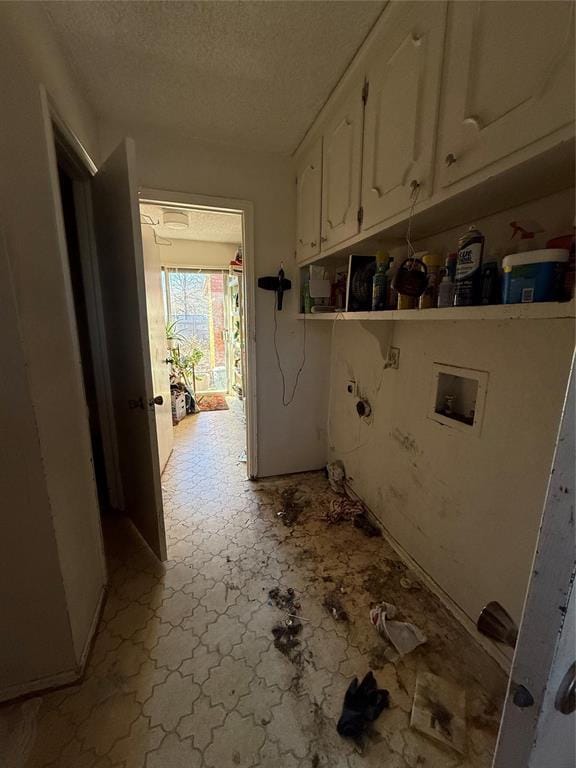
(466, 509)
(289, 439)
(54, 527)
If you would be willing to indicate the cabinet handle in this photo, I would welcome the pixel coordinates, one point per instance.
(313, 244)
(323, 239)
(450, 159)
(301, 241)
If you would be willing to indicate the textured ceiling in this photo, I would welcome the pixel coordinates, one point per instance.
(208, 226)
(247, 74)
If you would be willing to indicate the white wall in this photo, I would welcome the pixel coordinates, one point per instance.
(55, 528)
(466, 508)
(289, 439)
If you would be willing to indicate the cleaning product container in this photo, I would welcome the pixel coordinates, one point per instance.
(534, 275)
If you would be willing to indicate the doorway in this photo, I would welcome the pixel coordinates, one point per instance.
(200, 246)
(81, 312)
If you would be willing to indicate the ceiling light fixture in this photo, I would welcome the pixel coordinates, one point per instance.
(175, 220)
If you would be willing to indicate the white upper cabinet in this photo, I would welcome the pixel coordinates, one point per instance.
(403, 72)
(341, 168)
(308, 203)
(508, 83)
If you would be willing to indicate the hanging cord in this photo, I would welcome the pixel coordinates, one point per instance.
(414, 197)
(287, 402)
(339, 316)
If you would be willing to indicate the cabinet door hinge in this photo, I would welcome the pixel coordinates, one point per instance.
(365, 89)
(360, 216)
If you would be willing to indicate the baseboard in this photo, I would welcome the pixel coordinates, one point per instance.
(61, 679)
(41, 685)
(491, 649)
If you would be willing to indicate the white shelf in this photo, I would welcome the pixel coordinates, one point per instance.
(552, 310)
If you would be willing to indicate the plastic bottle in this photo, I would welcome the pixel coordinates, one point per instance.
(379, 282)
(391, 292)
(446, 291)
(430, 296)
(468, 281)
(491, 289)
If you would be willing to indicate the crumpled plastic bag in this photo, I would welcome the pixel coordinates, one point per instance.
(403, 636)
(337, 477)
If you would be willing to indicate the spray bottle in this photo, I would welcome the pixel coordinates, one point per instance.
(523, 235)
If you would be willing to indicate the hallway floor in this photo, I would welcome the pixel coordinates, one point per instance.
(184, 672)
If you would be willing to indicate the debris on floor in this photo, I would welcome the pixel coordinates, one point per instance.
(363, 704)
(286, 637)
(404, 637)
(439, 711)
(285, 601)
(363, 522)
(337, 477)
(334, 606)
(345, 509)
(289, 502)
(286, 633)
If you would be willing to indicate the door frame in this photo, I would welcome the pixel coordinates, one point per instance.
(547, 599)
(246, 209)
(82, 170)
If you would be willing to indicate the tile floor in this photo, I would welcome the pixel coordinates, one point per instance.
(184, 672)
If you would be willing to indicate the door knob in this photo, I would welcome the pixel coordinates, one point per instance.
(158, 400)
(522, 697)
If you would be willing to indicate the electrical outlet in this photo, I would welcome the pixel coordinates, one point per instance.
(394, 357)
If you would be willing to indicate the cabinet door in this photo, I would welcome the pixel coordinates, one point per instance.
(342, 168)
(308, 203)
(402, 109)
(509, 82)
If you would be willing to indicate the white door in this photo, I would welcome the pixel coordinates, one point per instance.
(403, 75)
(556, 729)
(534, 733)
(342, 168)
(308, 203)
(159, 355)
(509, 81)
(119, 240)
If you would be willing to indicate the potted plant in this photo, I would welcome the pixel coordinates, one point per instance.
(173, 337)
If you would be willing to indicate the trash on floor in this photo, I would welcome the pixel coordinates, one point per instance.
(334, 606)
(363, 522)
(285, 601)
(286, 632)
(439, 711)
(337, 477)
(286, 637)
(291, 505)
(345, 509)
(363, 704)
(403, 636)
